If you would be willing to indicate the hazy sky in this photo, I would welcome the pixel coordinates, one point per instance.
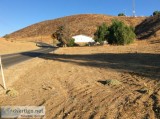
(17, 14)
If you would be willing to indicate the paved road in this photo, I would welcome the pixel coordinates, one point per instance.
(12, 59)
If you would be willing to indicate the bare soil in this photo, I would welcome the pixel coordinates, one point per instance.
(71, 82)
(12, 46)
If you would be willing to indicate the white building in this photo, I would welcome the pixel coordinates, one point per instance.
(83, 39)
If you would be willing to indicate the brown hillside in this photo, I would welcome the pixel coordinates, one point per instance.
(78, 24)
(149, 27)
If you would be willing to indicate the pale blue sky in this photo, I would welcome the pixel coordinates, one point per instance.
(17, 14)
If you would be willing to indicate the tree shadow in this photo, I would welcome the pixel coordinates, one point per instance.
(142, 64)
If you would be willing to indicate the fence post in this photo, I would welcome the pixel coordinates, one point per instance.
(3, 79)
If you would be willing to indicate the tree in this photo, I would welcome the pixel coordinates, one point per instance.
(156, 13)
(62, 34)
(120, 34)
(100, 34)
(121, 14)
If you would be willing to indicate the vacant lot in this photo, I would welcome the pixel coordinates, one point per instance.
(71, 82)
(10, 46)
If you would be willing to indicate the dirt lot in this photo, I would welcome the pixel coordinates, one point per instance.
(71, 82)
(12, 46)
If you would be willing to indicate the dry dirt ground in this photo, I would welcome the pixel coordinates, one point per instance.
(71, 82)
(10, 46)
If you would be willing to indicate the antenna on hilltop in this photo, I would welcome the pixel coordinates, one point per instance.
(134, 11)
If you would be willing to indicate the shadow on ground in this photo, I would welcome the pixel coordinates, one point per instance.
(143, 64)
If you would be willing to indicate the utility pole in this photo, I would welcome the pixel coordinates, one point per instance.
(125, 12)
(133, 6)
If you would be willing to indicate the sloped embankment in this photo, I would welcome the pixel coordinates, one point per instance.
(149, 27)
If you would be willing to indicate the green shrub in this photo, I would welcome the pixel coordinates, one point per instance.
(121, 14)
(156, 13)
(100, 34)
(71, 42)
(12, 93)
(120, 34)
(113, 82)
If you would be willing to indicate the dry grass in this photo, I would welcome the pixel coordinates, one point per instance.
(10, 46)
(113, 82)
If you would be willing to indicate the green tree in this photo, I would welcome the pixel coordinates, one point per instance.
(121, 14)
(156, 13)
(120, 34)
(100, 34)
(71, 42)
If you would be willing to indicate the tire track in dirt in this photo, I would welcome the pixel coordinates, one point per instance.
(140, 101)
(75, 97)
(100, 101)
